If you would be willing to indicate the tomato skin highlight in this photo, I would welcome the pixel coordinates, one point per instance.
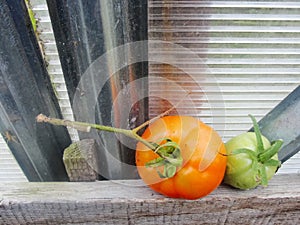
(198, 143)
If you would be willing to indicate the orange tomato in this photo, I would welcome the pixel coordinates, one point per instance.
(203, 167)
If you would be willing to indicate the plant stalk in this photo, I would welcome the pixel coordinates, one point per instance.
(86, 127)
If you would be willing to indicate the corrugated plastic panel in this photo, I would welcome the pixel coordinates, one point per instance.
(48, 46)
(244, 58)
(9, 169)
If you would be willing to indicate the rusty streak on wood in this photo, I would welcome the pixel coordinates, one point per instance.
(130, 202)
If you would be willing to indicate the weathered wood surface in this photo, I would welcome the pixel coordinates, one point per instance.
(130, 202)
(81, 160)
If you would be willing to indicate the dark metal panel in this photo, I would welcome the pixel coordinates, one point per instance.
(25, 92)
(84, 31)
(283, 122)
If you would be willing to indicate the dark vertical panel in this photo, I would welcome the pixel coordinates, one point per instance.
(25, 92)
(283, 122)
(84, 31)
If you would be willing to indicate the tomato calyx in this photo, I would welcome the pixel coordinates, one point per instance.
(262, 157)
(169, 158)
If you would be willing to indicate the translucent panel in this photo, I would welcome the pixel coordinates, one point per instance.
(238, 57)
(9, 169)
(49, 50)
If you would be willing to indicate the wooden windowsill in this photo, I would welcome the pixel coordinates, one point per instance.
(131, 202)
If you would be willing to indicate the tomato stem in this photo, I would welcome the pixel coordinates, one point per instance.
(135, 130)
(86, 127)
(169, 153)
(260, 145)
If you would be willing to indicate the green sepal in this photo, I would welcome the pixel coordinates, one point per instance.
(263, 175)
(175, 158)
(156, 162)
(170, 158)
(254, 164)
(174, 161)
(270, 152)
(160, 174)
(167, 148)
(260, 145)
(169, 170)
(273, 162)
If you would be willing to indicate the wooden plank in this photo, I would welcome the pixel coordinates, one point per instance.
(131, 202)
(81, 160)
(26, 91)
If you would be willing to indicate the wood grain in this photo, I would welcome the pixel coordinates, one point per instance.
(81, 160)
(131, 202)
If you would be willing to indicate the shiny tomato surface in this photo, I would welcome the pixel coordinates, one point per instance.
(203, 167)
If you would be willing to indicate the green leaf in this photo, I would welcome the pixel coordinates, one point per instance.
(260, 145)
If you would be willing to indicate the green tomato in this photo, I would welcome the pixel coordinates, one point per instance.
(252, 159)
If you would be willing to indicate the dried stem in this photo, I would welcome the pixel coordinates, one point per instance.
(86, 127)
(160, 115)
(170, 160)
